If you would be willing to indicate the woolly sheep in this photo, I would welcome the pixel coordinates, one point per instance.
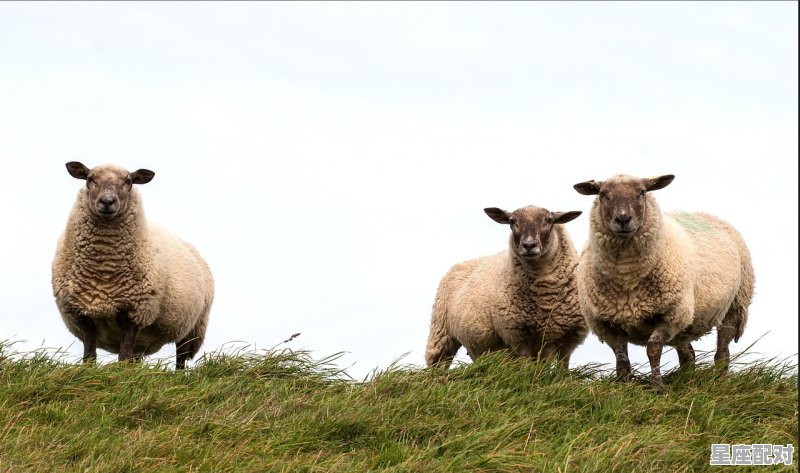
(122, 283)
(652, 279)
(523, 299)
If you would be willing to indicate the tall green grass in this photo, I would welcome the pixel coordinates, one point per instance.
(284, 411)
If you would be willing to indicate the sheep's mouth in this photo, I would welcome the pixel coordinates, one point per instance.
(624, 233)
(106, 213)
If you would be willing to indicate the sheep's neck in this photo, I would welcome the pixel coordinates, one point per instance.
(543, 265)
(106, 247)
(643, 243)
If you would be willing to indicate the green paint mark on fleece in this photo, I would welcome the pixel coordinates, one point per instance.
(691, 222)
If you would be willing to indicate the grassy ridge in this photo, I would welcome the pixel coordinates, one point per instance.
(283, 411)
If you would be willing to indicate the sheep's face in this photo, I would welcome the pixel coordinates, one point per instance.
(108, 187)
(622, 201)
(531, 228)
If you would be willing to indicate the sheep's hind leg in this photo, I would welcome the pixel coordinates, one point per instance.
(185, 349)
(620, 348)
(129, 332)
(89, 338)
(725, 333)
(441, 351)
(686, 356)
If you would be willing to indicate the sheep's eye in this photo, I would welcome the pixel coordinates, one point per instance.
(548, 220)
(512, 221)
(642, 193)
(602, 195)
(89, 180)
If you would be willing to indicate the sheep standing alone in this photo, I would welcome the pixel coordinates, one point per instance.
(122, 283)
(524, 299)
(654, 279)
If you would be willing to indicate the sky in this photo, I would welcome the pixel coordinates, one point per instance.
(331, 161)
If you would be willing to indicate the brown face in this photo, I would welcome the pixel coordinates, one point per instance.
(108, 186)
(623, 200)
(531, 228)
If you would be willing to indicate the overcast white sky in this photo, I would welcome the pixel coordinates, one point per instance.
(331, 160)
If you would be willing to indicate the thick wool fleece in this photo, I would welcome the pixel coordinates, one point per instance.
(497, 302)
(685, 270)
(101, 268)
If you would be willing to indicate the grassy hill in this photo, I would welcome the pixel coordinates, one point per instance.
(282, 411)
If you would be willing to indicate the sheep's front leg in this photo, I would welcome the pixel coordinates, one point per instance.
(564, 354)
(89, 338)
(129, 332)
(655, 346)
(548, 352)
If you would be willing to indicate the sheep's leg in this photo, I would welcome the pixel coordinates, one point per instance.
(686, 356)
(547, 352)
(184, 350)
(89, 338)
(550, 352)
(620, 347)
(725, 333)
(563, 362)
(181, 356)
(563, 357)
(441, 351)
(129, 332)
(655, 346)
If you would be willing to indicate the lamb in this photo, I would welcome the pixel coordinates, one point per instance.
(652, 279)
(122, 283)
(524, 299)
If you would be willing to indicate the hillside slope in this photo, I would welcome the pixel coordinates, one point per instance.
(283, 411)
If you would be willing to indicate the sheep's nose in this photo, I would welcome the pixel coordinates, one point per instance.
(531, 247)
(108, 200)
(622, 219)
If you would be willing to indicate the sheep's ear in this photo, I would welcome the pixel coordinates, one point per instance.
(142, 176)
(564, 217)
(498, 215)
(656, 183)
(77, 170)
(587, 188)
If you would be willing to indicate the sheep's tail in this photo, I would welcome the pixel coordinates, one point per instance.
(739, 308)
(189, 346)
(442, 347)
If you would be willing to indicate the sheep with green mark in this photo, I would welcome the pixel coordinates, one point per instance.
(658, 279)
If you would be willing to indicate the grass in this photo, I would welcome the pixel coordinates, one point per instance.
(283, 411)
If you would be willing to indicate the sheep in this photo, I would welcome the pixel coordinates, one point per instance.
(652, 279)
(122, 283)
(523, 299)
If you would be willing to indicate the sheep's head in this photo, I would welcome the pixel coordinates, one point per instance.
(108, 187)
(531, 228)
(622, 200)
